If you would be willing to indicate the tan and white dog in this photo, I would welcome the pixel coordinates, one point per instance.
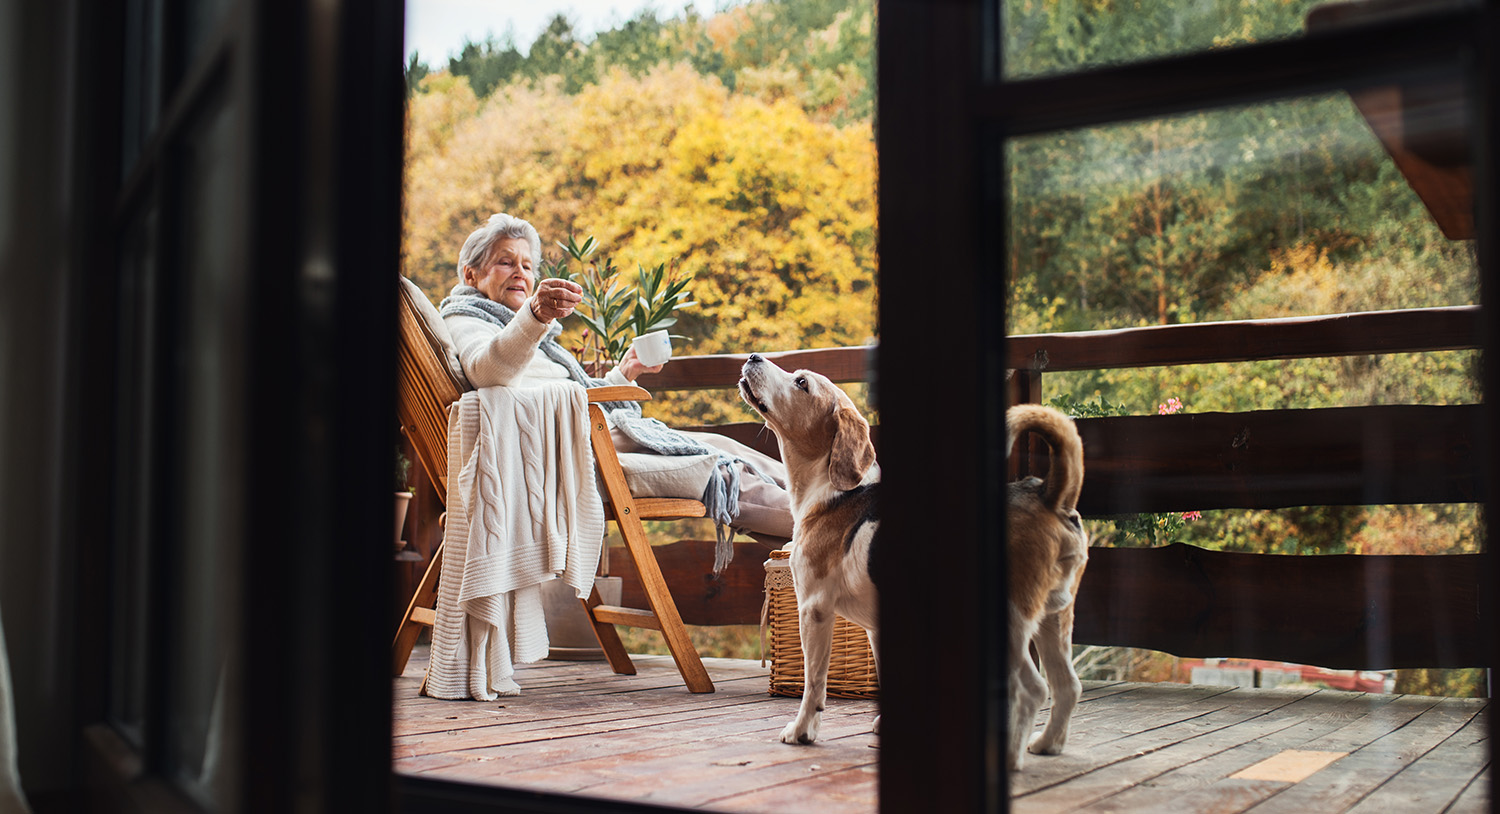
(832, 475)
(1047, 553)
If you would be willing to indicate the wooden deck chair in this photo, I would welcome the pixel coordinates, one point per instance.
(430, 381)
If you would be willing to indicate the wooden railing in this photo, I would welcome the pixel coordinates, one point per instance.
(1344, 611)
(1334, 611)
(1368, 612)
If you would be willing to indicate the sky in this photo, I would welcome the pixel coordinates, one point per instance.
(436, 29)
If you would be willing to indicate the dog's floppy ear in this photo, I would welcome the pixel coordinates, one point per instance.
(852, 453)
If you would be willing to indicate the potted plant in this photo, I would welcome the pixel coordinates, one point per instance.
(616, 313)
(403, 494)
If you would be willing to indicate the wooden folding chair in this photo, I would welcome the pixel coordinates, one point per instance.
(430, 381)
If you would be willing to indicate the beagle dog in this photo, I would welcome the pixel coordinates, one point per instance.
(833, 479)
(1046, 555)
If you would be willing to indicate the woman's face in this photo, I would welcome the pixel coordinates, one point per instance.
(505, 275)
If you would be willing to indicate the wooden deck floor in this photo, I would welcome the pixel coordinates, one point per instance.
(1134, 747)
(577, 727)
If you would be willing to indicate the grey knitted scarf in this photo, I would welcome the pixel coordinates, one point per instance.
(721, 496)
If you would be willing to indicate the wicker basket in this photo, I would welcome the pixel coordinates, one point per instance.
(851, 666)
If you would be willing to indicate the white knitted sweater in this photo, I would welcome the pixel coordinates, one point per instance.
(492, 355)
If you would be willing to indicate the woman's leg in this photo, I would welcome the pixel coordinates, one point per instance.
(765, 508)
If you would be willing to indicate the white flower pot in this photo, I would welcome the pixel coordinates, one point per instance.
(402, 499)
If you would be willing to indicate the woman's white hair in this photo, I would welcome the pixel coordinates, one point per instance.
(499, 227)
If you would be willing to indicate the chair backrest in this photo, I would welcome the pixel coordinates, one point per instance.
(431, 379)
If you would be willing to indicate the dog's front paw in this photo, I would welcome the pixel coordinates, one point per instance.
(801, 732)
(1040, 745)
(875, 727)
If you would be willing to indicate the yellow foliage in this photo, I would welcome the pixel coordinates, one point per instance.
(725, 28)
(1304, 281)
(1434, 529)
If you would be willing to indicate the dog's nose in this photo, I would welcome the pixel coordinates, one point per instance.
(756, 358)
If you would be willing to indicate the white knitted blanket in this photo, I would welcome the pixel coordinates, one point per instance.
(523, 508)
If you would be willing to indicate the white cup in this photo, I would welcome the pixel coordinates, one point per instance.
(653, 349)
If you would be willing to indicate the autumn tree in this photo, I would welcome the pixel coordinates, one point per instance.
(487, 64)
(415, 71)
(819, 53)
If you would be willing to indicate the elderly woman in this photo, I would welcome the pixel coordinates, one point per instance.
(505, 327)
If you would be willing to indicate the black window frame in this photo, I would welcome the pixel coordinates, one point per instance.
(322, 86)
(944, 114)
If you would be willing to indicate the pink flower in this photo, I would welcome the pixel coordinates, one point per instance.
(1192, 515)
(1173, 405)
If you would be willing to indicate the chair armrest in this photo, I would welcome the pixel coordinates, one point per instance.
(619, 392)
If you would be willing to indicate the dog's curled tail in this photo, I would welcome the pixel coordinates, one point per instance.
(1065, 477)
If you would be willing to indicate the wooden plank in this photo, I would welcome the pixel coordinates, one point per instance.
(608, 637)
(1114, 764)
(713, 765)
(1372, 766)
(733, 597)
(633, 617)
(619, 746)
(1339, 611)
(418, 614)
(1289, 766)
(541, 714)
(848, 364)
(1373, 332)
(1277, 458)
(1475, 798)
(1144, 708)
(659, 598)
(831, 789)
(577, 696)
(1435, 780)
(1141, 771)
(617, 392)
(1208, 783)
(662, 508)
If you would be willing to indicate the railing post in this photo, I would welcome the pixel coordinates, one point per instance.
(1025, 387)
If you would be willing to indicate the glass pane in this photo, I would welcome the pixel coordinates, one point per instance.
(199, 20)
(1287, 209)
(1327, 205)
(135, 381)
(141, 102)
(210, 459)
(1044, 37)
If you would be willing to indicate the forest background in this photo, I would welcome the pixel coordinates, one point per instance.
(739, 148)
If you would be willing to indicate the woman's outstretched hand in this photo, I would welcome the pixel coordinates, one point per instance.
(631, 367)
(555, 298)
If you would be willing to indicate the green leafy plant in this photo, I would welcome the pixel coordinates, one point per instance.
(1146, 528)
(1098, 408)
(403, 471)
(615, 312)
(658, 294)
